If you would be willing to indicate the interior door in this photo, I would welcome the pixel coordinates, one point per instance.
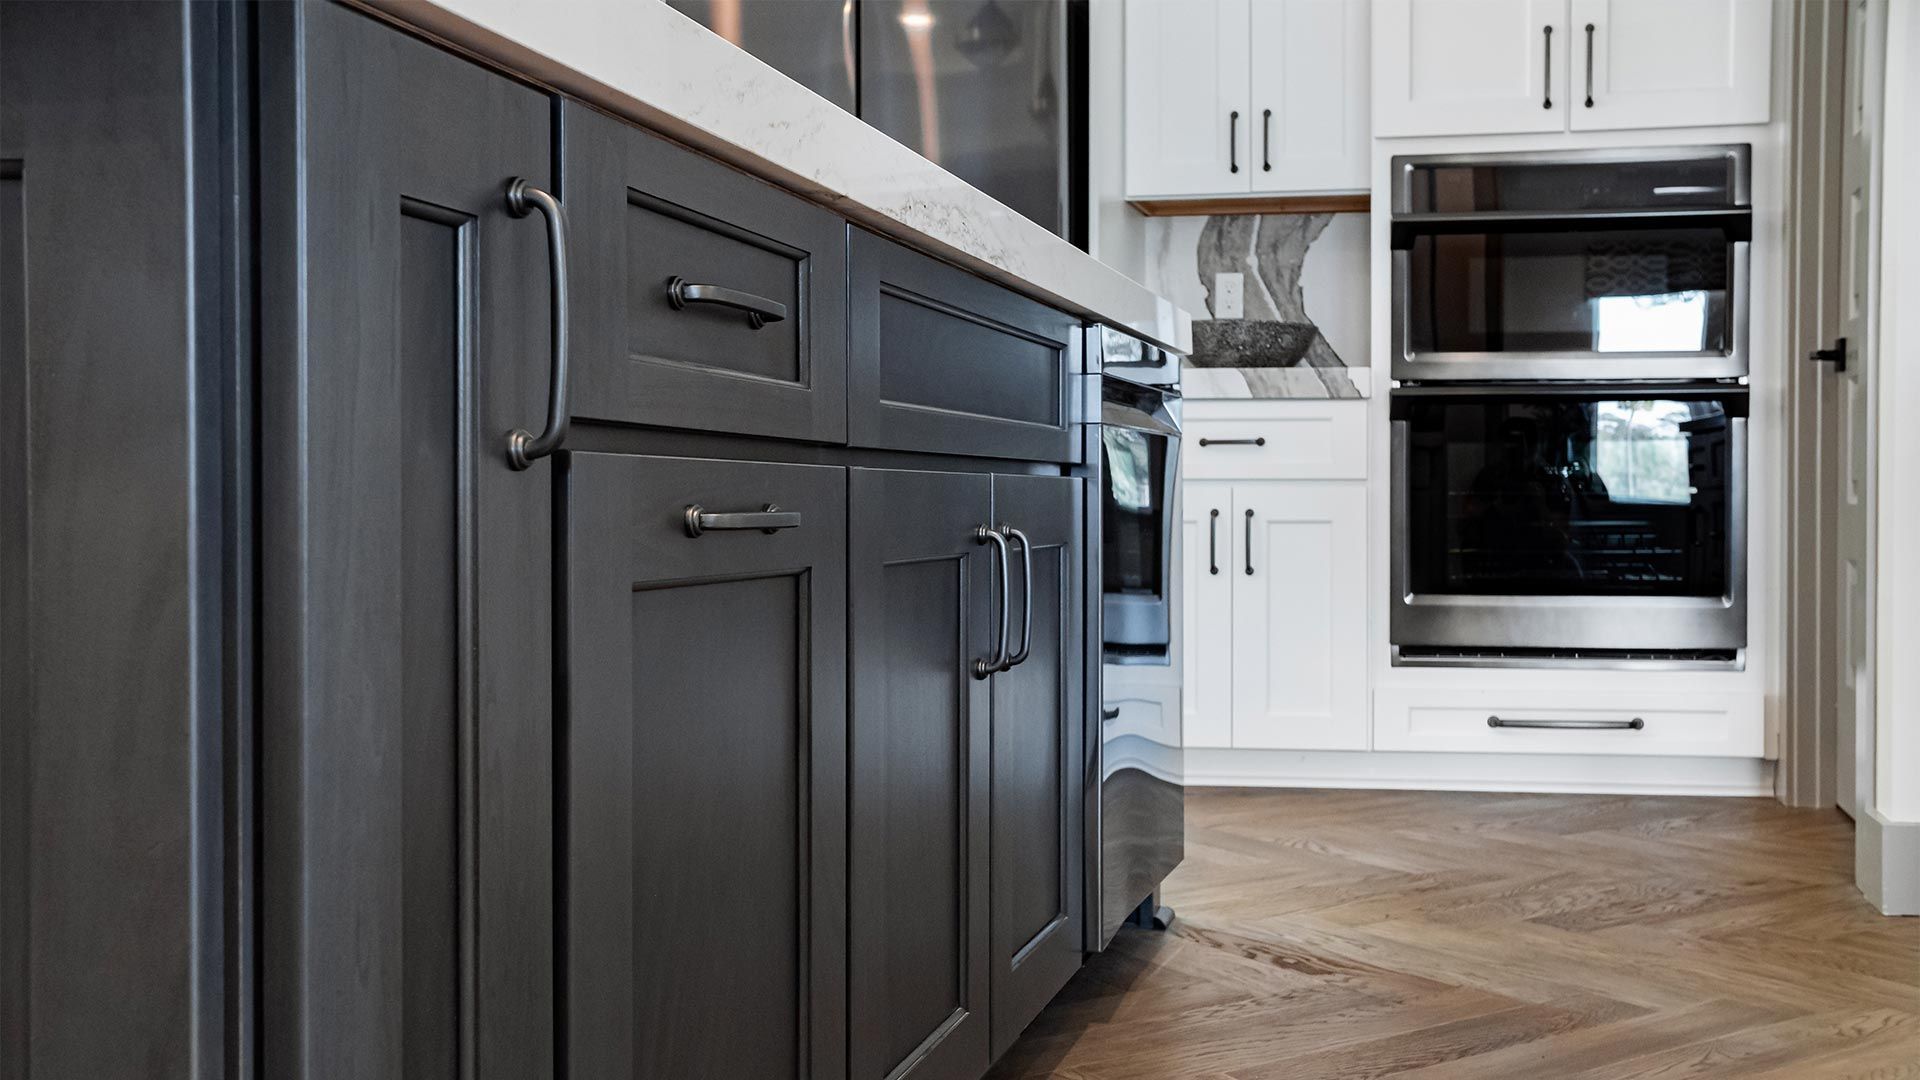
(704, 786)
(924, 581)
(1669, 63)
(1206, 587)
(1299, 619)
(1039, 713)
(406, 567)
(1310, 96)
(1441, 67)
(1853, 446)
(1189, 124)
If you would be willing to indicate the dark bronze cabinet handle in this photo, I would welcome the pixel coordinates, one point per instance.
(1266, 140)
(760, 310)
(1589, 65)
(1546, 35)
(1837, 356)
(1249, 551)
(522, 447)
(1110, 714)
(1026, 578)
(769, 519)
(1261, 441)
(1213, 541)
(1233, 141)
(1634, 724)
(987, 534)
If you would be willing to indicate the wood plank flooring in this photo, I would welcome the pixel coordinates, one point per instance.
(1497, 937)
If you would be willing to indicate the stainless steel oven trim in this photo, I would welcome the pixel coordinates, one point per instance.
(1443, 366)
(1741, 155)
(1440, 366)
(1573, 622)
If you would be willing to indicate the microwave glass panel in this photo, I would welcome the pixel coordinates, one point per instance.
(1559, 497)
(1641, 292)
(1699, 183)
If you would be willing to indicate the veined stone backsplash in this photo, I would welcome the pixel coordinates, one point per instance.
(1304, 295)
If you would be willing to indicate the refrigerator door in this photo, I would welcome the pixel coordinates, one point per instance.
(813, 42)
(983, 88)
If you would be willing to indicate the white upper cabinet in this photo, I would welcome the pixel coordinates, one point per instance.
(1469, 67)
(1309, 95)
(1242, 97)
(1488, 67)
(1670, 63)
(1187, 127)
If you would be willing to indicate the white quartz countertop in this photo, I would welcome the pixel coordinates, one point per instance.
(642, 60)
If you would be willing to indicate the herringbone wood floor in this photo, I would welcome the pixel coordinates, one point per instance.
(1497, 937)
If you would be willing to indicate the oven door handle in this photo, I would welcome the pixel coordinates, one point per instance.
(1634, 724)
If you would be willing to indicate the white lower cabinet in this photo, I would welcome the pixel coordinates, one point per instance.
(1631, 720)
(1275, 614)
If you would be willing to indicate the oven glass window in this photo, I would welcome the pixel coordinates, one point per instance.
(1626, 291)
(1132, 514)
(1568, 497)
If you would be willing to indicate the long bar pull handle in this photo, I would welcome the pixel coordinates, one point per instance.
(522, 448)
(1589, 65)
(769, 519)
(1546, 86)
(1261, 441)
(1634, 724)
(760, 310)
(987, 534)
(1266, 140)
(1213, 541)
(1249, 551)
(1233, 141)
(1026, 577)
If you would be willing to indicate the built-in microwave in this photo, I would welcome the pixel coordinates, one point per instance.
(1587, 264)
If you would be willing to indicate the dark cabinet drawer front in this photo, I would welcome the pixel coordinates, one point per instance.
(945, 362)
(765, 357)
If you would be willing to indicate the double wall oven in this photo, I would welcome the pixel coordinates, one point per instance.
(1570, 407)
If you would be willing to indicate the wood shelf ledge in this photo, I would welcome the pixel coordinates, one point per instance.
(1357, 203)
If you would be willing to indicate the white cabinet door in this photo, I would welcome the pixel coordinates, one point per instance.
(1669, 63)
(1469, 67)
(1311, 122)
(1206, 585)
(1187, 124)
(1299, 615)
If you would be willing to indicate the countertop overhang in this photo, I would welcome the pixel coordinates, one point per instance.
(644, 61)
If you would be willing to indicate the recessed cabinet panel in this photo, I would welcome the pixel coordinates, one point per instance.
(1670, 63)
(1469, 67)
(946, 362)
(1208, 574)
(704, 768)
(702, 298)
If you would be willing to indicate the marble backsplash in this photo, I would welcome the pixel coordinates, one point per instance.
(1303, 324)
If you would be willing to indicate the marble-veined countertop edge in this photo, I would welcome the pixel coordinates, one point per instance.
(644, 61)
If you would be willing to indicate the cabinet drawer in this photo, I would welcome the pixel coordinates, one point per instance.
(1276, 440)
(1685, 724)
(945, 362)
(645, 214)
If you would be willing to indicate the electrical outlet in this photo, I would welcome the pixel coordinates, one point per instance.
(1229, 296)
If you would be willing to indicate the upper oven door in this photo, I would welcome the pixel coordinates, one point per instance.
(1600, 517)
(1575, 266)
(1139, 452)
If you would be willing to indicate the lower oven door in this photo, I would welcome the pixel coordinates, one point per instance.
(1604, 517)
(1140, 444)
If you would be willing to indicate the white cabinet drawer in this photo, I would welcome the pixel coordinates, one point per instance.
(1574, 722)
(1276, 440)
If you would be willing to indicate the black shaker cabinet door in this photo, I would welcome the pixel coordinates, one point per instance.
(406, 626)
(923, 589)
(1038, 732)
(704, 298)
(946, 362)
(704, 785)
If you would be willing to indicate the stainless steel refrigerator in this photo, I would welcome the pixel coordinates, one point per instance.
(994, 91)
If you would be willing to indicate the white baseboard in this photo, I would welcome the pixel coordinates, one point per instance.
(1886, 863)
(1480, 772)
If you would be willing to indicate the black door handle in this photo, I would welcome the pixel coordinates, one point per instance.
(522, 447)
(1233, 141)
(1546, 100)
(759, 310)
(1266, 140)
(1249, 551)
(1110, 714)
(1837, 356)
(1213, 541)
(987, 534)
(1589, 65)
(1026, 619)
